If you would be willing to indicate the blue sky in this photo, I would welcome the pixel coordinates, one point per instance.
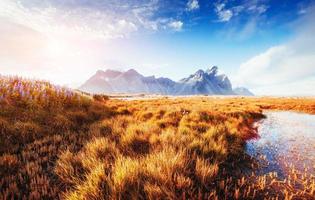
(265, 45)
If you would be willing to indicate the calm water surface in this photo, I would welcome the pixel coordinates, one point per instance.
(286, 141)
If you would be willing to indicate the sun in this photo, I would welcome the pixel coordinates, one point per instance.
(56, 48)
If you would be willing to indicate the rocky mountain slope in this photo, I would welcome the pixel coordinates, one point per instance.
(208, 82)
(242, 91)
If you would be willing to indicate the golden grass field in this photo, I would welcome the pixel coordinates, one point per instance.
(59, 144)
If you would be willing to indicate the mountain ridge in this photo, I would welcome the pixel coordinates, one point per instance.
(208, 82)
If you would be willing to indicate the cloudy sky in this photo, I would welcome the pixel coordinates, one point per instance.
(265, 45)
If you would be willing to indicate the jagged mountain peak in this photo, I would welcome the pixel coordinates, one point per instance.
(131, 72)
(209, 82)
(199, 72)
(199, 75)
(130, 81)
(100, 71)
(212, 71)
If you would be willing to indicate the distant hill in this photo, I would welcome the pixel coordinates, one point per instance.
(208, 82)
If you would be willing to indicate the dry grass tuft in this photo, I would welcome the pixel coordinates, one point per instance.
(205, 171)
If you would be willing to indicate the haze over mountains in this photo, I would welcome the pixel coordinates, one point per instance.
(208, 82)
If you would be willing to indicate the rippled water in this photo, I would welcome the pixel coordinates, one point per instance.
(286, 141)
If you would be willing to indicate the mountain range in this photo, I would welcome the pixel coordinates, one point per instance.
(208, 82)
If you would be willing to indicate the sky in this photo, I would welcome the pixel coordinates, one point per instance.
(267, 46)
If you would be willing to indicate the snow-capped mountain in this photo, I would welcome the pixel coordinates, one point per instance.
(208, 82)
(202, 82)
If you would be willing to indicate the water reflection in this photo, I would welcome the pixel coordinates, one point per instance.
(286, 142)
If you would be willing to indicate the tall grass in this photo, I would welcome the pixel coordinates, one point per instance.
(61, 144)
(38, 121)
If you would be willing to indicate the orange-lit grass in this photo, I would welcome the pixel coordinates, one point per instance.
(56, 143)
(38, 121)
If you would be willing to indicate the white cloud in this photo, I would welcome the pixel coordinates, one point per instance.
(93, 19)
(305, 87)
(224, 14)
(86, 22)
(281, 65)
(176, 25)
(192, 5)
(258, 9)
